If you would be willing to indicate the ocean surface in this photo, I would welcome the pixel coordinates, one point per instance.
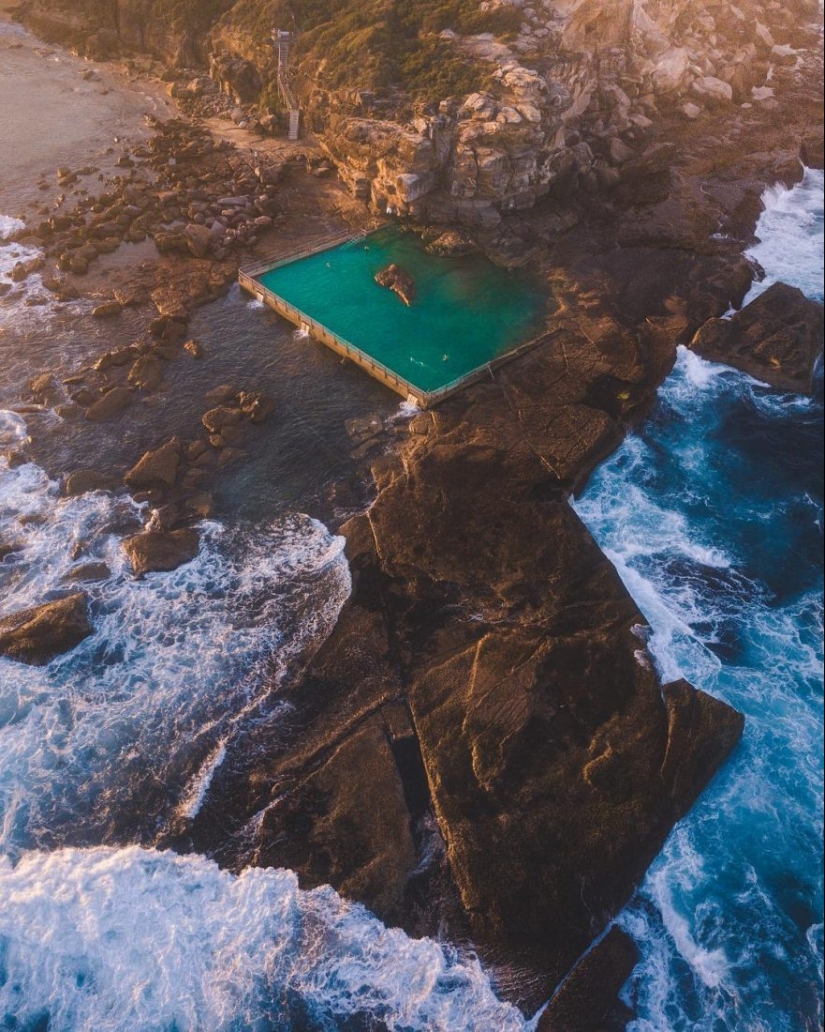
(712, 512)
(112, 750)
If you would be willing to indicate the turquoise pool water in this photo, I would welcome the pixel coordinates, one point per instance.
(467, 311)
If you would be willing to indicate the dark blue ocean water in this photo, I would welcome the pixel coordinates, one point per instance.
(713, 515)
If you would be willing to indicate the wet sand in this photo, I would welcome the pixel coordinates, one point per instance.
(51, 115)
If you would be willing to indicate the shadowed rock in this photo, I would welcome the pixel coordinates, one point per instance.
(589, 992)
(777, 338)
(38, 634)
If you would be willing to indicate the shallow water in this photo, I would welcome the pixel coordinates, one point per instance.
(712, 514)
(466, 310)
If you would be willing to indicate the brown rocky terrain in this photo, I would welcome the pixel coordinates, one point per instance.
(482, 740)
(38, 634)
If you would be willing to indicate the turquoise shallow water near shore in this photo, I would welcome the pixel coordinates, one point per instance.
(712, 514)
(467, 311)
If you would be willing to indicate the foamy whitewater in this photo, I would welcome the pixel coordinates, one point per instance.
(712, 514)
(122, 738)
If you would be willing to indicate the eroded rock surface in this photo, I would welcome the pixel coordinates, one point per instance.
(38, 634)
(777, 338)
(399, 281)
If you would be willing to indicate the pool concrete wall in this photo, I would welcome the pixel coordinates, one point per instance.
(249, 281)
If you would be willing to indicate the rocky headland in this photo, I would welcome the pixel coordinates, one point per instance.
(482, 744)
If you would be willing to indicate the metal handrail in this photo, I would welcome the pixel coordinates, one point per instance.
(276, 259)
(348, 347)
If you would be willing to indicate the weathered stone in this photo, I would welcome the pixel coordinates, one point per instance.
(159, 551)
(38, 634)
(399, 281)
(81, 481)
(107, 310)
(146, 373)
(777, 338)
(257, 406)
(88, 572)
(111, 404)
(304, 830)
(119, 357)
(198, 240)
(217, 418)
(157, 468)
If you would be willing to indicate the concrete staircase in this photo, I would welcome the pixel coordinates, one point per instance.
(291, 105)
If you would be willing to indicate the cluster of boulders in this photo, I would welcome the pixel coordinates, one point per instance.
(575, 101)
(172, 479)
(190, 195)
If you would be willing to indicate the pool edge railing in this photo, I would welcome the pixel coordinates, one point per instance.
(248, 281)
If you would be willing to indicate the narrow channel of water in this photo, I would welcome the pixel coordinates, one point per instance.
(712, 514)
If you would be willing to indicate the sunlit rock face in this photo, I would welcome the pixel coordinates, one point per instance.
(568, 92)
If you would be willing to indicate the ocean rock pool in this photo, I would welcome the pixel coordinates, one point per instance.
(467, 311)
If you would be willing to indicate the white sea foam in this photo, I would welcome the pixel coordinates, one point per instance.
(190, 806)
(9, 225)
(721, 915)
(791, 236)
(132, 940)
(14, 431)
(179, 662)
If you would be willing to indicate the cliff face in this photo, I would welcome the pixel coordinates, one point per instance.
(176, 31)
(459, 110)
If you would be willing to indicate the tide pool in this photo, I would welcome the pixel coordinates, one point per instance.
(467, 311)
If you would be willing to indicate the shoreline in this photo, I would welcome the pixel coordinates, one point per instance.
(399, 640)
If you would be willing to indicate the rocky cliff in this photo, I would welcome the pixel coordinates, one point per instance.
(460, 110)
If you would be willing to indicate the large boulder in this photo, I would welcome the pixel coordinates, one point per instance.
(161, 551)
(777, 338)
(399, 281)
(38, 634)
(156, 468)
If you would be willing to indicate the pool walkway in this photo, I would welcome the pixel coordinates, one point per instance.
(249, 280)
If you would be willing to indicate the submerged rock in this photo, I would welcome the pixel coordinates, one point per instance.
(159, 551)
(38, 634)
(80, 481)
(257, 406)
(399, 281)
(777, 338)
(110, 405)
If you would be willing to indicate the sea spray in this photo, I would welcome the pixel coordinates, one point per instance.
(134, 940)
(724, 487)
(178, 665)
